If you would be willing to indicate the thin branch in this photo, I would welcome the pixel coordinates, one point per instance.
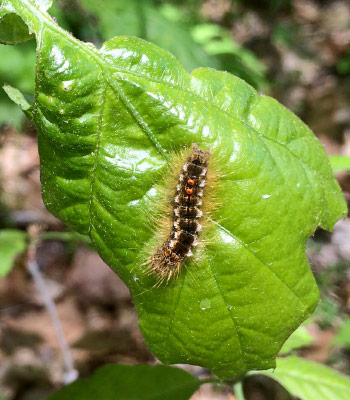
(70, 374)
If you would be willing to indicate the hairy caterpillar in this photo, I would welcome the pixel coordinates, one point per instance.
(167, 260)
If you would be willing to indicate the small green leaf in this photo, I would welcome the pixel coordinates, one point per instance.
(17, 97)
(12, 242)
(299, 338)
(12, 28)
(342, 338)
(108, 123)
(17, 68)
(124, 382)
(219, 42)
(340, 163)
(310, 381)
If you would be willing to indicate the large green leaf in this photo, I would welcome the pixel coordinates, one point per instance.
(310, 381)
(108, 122)
(123, 382)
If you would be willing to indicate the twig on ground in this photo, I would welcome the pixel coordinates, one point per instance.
(70, 374)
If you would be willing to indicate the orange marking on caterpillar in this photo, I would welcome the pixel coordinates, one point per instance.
(190, 182)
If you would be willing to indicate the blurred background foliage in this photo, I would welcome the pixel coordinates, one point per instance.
(297, 51)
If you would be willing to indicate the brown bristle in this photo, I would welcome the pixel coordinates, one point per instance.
(166, 262)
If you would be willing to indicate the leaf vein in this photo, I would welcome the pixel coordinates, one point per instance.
(137, 117)
(98, 142)
(285, 145)
(176, 305)
(236, 238)
(238, 334)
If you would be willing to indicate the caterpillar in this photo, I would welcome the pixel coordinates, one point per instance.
(166, 262)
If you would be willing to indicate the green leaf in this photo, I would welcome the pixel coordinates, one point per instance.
(342, 338)
(138, 382)
(310, 381)
(340, 163)
(219, 42)
(299, 338)
(109, 121)
(17, 68)
(13, 29)
(12, 242)
(17, 97)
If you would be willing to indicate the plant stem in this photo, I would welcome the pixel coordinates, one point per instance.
(238, 389)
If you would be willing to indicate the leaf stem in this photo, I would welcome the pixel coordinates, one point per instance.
(238, 389)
